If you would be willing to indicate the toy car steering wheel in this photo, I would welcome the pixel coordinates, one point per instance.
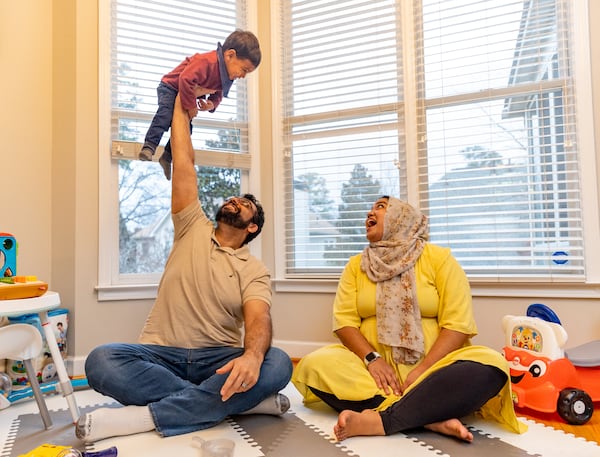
(542, 312)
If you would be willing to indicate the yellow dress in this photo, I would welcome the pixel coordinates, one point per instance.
(444, 298)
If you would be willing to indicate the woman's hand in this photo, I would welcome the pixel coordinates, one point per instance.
(412, 376)
(446, 342)
(384, 376)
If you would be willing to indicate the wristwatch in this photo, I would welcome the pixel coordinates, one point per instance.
(371, 357)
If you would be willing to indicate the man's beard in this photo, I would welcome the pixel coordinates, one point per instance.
(230, 215)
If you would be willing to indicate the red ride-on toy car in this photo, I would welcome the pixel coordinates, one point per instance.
(544, 376)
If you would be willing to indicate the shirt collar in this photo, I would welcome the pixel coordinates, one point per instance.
(242, 253)
(226, 83)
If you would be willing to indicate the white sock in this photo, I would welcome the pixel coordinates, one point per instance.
(106, 422)
(276, 405)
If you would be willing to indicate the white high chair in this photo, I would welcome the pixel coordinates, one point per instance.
(24, 342)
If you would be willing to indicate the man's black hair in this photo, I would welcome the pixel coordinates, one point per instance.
(258, 218)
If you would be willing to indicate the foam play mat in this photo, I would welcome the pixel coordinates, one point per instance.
(301, 432)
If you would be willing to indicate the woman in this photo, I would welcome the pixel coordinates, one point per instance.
(404, 317)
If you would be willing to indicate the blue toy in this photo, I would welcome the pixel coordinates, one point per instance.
(8, 255)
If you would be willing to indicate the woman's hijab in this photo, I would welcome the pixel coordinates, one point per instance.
(390, 263)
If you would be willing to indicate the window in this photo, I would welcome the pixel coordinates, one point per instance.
(464, 108)
(147, 40)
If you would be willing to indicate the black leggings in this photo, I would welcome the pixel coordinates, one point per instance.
(454, 391)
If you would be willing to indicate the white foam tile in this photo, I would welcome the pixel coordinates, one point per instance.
(152, 445)
(540, 439)
(323, 418)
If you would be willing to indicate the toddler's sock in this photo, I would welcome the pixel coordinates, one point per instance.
(106, 422)
(146, 153)
(275, 405)
(165, 163)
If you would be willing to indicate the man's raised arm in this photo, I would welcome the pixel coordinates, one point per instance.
(184, 179)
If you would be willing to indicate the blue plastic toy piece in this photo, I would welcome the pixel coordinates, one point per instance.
(543, 312)
(46, 388)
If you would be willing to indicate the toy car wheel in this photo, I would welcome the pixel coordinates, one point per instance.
(575, 406)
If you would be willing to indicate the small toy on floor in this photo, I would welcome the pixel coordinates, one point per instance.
(220, 447)
(26, 393)
(54, 450)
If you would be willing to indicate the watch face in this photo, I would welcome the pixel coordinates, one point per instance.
(371, 356)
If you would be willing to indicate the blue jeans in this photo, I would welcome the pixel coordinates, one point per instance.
(161, 122)
(180, 385)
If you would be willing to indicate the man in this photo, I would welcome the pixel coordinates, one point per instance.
(192, 367)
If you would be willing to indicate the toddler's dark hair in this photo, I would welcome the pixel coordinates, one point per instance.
(245, 44)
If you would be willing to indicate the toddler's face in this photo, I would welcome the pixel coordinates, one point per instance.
(236, 67)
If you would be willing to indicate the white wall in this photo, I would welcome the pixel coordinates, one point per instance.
(49, 159)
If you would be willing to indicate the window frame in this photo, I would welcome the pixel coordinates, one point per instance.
(111, 284)
(481, 287)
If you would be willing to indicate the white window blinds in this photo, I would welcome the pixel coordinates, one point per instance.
(464, 108)
(342, 125)
(498, 164)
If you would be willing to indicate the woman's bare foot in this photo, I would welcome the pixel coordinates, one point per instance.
(451, 427)
(351, 423)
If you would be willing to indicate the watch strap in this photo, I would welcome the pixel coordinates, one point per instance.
(371, 357)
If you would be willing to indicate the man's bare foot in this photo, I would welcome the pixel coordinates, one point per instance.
(451, 427)
(351, 423)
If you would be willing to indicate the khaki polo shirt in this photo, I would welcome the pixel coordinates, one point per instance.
(203, 288)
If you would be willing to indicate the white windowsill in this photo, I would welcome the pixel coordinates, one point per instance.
(127, 292)
(328, 286)
(478, 288)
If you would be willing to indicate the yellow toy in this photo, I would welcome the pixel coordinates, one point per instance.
(54, 450)
(16, 287)
(50, 450)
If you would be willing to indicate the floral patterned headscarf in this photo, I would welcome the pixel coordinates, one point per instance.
(390, 263)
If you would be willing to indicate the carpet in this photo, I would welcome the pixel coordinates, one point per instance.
(301, 432)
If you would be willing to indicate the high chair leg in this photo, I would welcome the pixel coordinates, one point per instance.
(37, 393)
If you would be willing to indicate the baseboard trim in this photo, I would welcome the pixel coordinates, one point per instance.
(75, 366)
(298, 349)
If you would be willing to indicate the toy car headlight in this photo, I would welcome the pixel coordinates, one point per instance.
(538, 368)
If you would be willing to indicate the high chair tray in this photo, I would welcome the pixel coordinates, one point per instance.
(22, 290)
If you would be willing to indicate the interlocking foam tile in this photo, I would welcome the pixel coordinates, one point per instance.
(302, 431)
(540, 439)
(482, 445)
(27, 432)
(490, 439)
(286, 436)
(151, 444)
